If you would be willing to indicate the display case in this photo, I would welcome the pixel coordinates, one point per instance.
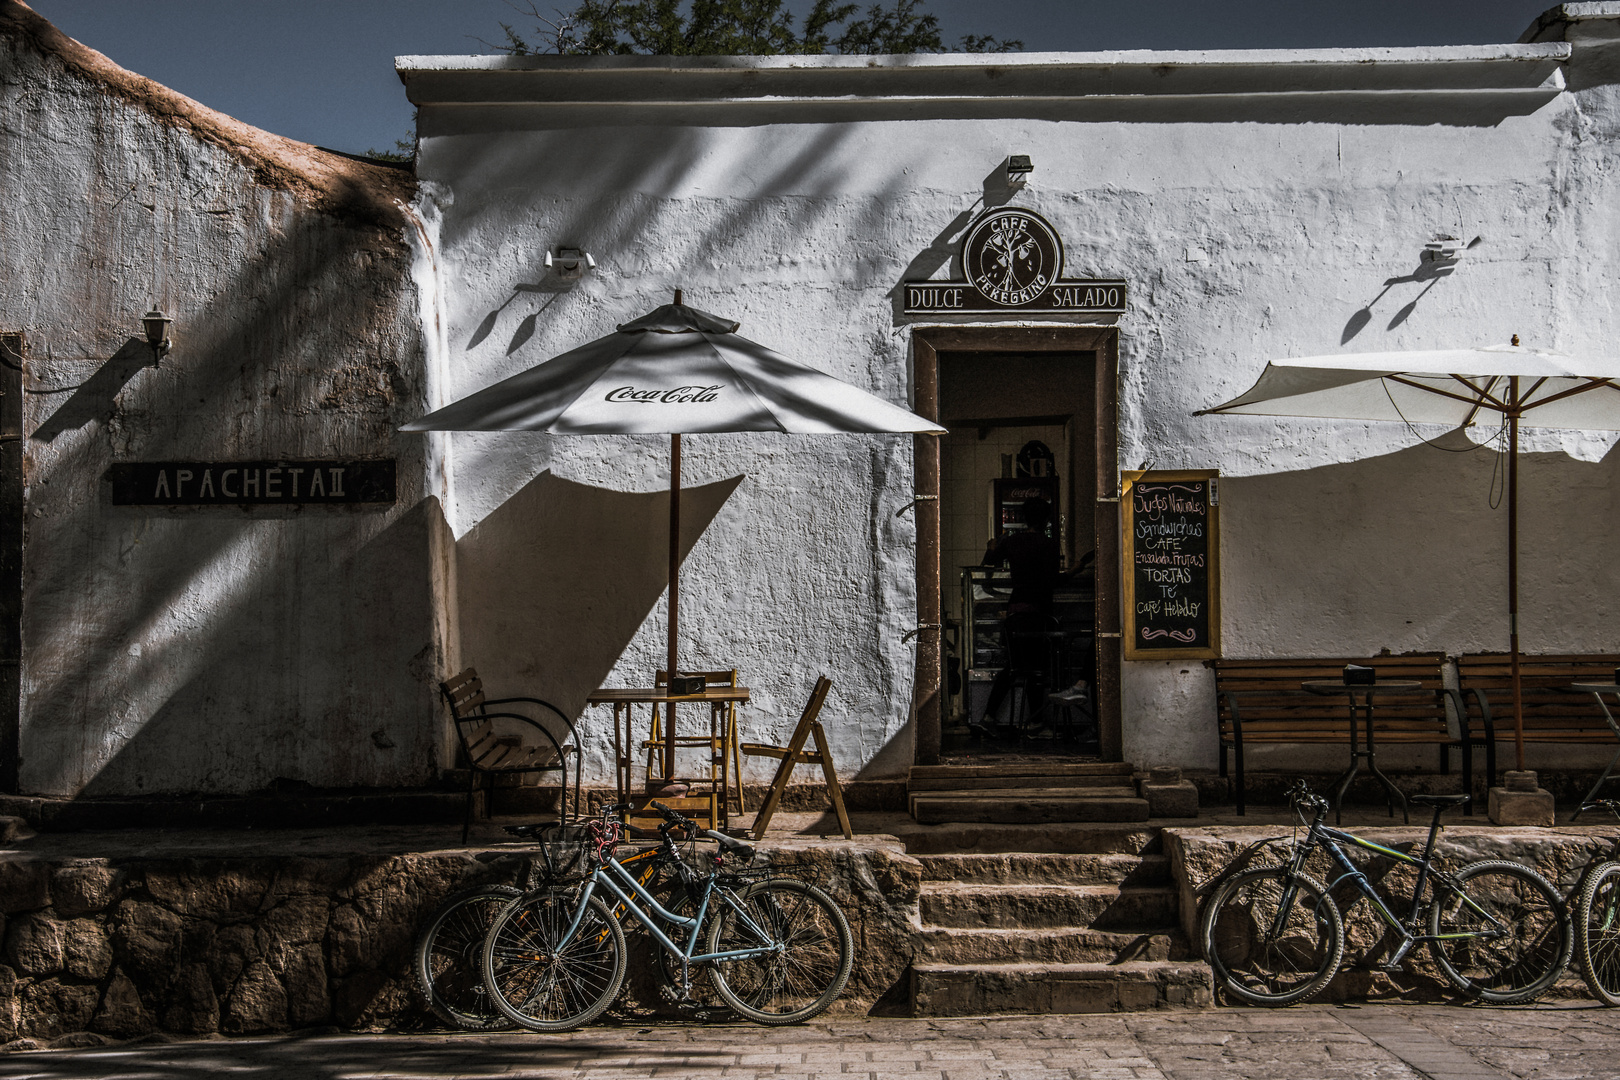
(983, 641)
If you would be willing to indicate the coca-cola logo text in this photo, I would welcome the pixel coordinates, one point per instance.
(678, 396)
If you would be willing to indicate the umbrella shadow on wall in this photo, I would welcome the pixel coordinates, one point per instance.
(1405, 551)
(553, 585)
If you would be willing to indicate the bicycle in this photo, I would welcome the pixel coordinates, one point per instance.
(1274, 936)
(1597, 918)
(777, 950)
(449, 951)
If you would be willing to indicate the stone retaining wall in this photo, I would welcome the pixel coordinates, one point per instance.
(198, 945)
(1199, 856)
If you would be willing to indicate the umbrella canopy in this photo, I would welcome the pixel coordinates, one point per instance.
(674, 371)
(1451, 387)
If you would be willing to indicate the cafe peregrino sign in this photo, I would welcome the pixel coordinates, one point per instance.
(1012, 261)
(243, 483)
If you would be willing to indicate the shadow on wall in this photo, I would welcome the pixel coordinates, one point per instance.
(554, 583)
(298, 649)
(97, 397)
(1405, 552)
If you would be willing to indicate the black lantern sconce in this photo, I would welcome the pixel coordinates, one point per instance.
(1018, 169)
(157, 333)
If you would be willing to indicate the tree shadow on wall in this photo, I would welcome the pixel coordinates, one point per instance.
(553, 585)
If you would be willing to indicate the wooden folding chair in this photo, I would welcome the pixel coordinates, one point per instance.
(794, 754)
(725, 759)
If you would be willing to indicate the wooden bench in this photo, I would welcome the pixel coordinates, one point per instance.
(1260, 701)
(1552, 712)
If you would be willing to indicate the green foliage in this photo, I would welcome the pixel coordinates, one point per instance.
(735, 28)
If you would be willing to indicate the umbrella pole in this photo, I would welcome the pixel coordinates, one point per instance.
(1513, 571)
(674, 595)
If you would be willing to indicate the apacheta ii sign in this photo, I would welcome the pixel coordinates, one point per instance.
(212, 483)
(1012, 260)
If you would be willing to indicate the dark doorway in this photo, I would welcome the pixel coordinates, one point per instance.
(11, 549)
(1031, 414)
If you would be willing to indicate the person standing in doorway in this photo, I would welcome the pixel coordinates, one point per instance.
(1031, 555)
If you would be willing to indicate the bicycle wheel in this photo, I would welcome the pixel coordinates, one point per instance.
(1503, 933)
(802, 977)
(541, 987)
(449, 957)
(1272, 938)
(1597, 933)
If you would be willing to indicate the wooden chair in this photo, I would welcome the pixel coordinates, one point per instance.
(508, 747)
(794, 754)
(725, 759)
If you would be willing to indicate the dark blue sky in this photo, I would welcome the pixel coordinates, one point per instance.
(322, 70)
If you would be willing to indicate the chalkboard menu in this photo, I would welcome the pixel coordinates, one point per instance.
(1172, 565)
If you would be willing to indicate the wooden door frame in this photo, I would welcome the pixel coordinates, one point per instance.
(926, 345)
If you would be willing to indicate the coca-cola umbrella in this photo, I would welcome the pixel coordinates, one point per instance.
(674, 371)
(1450, 387)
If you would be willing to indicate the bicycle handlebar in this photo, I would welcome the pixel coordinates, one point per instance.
(1611, 805)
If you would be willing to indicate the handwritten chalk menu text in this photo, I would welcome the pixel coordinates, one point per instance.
(215, 483)
(1172, 574)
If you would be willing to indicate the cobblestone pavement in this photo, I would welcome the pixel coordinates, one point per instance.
(1372, 1042)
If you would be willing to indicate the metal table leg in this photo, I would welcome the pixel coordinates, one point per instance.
(1607, 715)
(1372, 765)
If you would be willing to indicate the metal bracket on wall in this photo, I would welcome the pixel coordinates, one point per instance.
(914, 502)
(1105, 633)
(925, 626)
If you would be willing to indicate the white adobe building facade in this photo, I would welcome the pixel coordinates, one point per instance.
(1254, 204)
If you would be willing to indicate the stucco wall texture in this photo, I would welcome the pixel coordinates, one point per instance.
(1249, 222)
(211, 649)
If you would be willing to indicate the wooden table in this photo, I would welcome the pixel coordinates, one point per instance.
(1331, 687)
(623, 698)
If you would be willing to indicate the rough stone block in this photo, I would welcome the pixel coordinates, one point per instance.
(24, 886)
(34, 945)
(1175, 798)
(122, 1014)
(1508, 807)
(79, 890)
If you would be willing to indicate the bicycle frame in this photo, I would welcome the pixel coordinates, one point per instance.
(1332, 840)
(603, 876)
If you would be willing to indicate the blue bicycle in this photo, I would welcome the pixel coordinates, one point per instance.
(777, 950)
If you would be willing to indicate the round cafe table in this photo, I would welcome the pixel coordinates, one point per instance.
(1364, 711)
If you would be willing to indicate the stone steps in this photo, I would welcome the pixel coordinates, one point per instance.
(1015, 806)
(1088, 921)
(1021, 867)
(1061, 837)
(1103, 907)
(1044, 989)
(951, 945)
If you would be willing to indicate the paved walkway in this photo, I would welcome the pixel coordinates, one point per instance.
(1372, 1042)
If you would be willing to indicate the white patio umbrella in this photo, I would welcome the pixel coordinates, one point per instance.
(674, 371)
(1450, 387)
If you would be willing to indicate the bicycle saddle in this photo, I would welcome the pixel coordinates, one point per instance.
(1438, 800)
(729, 844)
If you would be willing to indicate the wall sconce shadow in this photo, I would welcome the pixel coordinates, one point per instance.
(94, 398)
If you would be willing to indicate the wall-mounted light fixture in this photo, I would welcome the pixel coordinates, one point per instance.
(156, 325)
(570, 264)
(1018, 169)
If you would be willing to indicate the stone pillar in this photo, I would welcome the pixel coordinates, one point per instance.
(1520, 801)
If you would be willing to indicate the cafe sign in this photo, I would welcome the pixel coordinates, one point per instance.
(243, 483)
(1012, 261)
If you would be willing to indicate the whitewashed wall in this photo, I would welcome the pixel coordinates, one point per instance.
(209, 649)
(1248, 227)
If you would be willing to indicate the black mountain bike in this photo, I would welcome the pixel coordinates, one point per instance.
(1499, 931)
